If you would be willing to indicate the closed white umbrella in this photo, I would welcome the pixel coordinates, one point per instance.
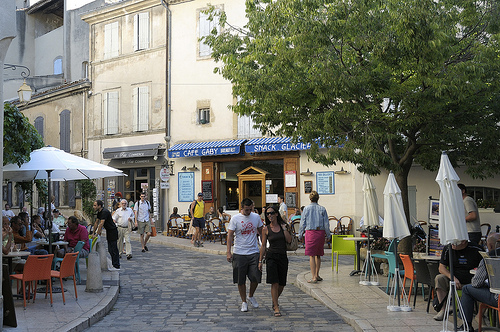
(370, 219)
(52, 164)
(395, 226)
(452, 227)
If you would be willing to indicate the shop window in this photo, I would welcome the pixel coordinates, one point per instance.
(141, 31)
(204, 115)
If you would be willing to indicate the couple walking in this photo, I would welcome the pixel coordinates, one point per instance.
(247, 258)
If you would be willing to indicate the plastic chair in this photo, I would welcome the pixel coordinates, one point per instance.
(37, 267)
(493, 268)
(409, 268)
(67, 269)
(423, 277)
(485, 230)
(78, 248)
(391, 259)
(391, 248)
(342, 247)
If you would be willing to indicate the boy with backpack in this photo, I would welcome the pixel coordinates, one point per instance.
(142, 211)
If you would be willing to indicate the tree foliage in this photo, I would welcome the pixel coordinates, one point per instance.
(88, 194)
(19, 136)
(383, 84)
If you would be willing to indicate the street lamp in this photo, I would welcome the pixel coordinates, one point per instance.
(24, 91)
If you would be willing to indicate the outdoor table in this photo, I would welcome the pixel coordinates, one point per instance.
(358, 240)
(430, 257)
(13, 254)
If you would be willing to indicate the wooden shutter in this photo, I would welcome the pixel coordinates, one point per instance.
(71, 194)
(111, 40)
(110, 105)
(39, 125)
(204, 26)
(141, 108)
(64, 132)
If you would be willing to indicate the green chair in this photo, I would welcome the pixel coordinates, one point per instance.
(342, 247)
(78, 247)
(391, 259)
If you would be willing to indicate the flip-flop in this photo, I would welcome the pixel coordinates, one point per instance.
(319, 278)
(312, 281)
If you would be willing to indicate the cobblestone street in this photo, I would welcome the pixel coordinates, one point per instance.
(168, 289)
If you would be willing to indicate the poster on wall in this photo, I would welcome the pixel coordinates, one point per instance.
(207, 189)
(308, 187)
(290, 179)
(186, 186)
(325, 183)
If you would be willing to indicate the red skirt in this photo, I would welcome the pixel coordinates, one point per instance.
(315, 242)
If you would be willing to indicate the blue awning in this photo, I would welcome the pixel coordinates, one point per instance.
(203, 149)
(273, 144)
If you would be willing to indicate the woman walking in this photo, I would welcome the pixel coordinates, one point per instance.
(314, 227)
(276, 260)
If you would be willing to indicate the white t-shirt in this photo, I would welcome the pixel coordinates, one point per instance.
(245, 233)
(121, 216)
(142, 210)
(8, 213)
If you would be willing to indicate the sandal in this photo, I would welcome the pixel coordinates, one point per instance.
(319, 278)
(312, 281)
(277, 314)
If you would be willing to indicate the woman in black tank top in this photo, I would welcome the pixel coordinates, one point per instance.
(277, 235)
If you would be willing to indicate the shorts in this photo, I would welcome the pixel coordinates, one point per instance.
(246, 265)
(276, 268)
(144, 227)
(199, 222)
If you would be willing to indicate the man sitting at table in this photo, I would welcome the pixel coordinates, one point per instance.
(466, 257)
(59, 219)
(479, 289)
(74, 233)
(16, 224)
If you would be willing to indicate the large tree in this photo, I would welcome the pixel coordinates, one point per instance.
(382, 84)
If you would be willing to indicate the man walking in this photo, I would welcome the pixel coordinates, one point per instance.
(245, 258)
(142, 209)
(105, 220)
(471, 216)
(122, 217)
(283, 210)
(197, 208)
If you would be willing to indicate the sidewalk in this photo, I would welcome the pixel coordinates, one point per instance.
(363, 307)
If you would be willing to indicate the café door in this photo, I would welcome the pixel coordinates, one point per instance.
(252, 184)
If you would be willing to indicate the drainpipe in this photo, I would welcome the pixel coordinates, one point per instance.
(168, 103)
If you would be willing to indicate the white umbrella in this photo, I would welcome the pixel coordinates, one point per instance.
(395, 226)
(52, 164)
(370, 218)
(452, 227)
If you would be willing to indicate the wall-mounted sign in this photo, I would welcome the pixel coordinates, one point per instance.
(271, 198)
(325, 183)
(308, 187)
(207, 188)
(222, 175)
(291, 199)
(164, 174)
(290, 179)
(185, 189)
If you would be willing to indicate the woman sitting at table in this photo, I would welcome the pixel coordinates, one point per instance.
(7, 236)
(16, 224)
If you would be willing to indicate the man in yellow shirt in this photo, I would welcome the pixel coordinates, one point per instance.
(197, 209)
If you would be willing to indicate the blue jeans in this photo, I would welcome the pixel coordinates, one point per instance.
(471, 294)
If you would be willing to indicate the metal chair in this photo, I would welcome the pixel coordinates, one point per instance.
(334, 223)
(37, 267)
(485, 230)
(67, 269)
(342, 247)
(346, 225)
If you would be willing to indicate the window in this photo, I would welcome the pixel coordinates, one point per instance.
(205, 27)
(485, 197)
(58, 69)
(64, 131)
(110, 108)
(141, 108)
(246, 129)
(39, 125)
(111, 40)
(204, 115)
(141, 31)
(85, 69)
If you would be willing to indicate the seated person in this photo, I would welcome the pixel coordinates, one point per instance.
(223, 216)
(296, 215)
(175, 213)
(478, 289)
(211, 214)
(16, 225)
(36, 227)
(24, 216)
(74, 233)
(58, 219)
(7, 236)
(466, 257)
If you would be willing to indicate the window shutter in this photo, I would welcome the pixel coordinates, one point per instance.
(107, 41)
(204, 26)
(135, 108)
(65, 134)
(143, 108)
(71, 194)
(111, 40)
(143, 35)
(39, 125)
(136, 32)
(110, 105)
(56, 193)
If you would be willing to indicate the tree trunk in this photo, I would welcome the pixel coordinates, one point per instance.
(404, 246)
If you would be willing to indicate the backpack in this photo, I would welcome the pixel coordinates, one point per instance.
(189, 208)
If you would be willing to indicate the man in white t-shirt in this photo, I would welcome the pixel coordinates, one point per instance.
(245, 257)
(142, 220)
(283, 208)
(122, 217)
(7, 212)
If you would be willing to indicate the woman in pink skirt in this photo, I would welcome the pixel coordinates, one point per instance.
(314, 227)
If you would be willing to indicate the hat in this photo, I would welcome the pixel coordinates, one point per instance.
(119, 194)
(55, 211)
(200, 194)
(41, 210)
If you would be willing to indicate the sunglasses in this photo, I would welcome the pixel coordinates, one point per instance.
(270, 213)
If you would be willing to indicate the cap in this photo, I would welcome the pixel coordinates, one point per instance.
(55, 210)
(200, 194)
(119, 194)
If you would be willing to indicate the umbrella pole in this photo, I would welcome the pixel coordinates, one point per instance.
(453, 287)
(396, 274)
(49, 207)
(368, 257)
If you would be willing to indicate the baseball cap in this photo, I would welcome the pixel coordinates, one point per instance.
(55, 211)
(200, 194)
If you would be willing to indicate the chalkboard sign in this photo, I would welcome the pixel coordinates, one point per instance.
(308, 187)
(207, 188)
(291, 199)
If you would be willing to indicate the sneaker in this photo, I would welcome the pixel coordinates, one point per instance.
(196, 244)
(244, 307)
(439, 316)
(145, 247)
(253, 301)
(129, 257)
(200, 244)
(114, 268)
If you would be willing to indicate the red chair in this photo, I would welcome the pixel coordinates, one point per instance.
(409, 273)
(67, 269)
(482, 308)
(37, 267)
(493, 268)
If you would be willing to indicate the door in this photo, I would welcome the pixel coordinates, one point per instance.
(252, 184)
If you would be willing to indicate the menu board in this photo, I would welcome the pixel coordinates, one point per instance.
(325, 183)
(308, 187)
(291, 199)
(207, 189)
(186, 186)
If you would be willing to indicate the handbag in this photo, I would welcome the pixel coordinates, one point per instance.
(153, 229)
(294, 244)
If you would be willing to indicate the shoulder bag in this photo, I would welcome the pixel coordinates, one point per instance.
(294, 244)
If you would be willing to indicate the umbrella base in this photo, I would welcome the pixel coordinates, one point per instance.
(403, 308)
